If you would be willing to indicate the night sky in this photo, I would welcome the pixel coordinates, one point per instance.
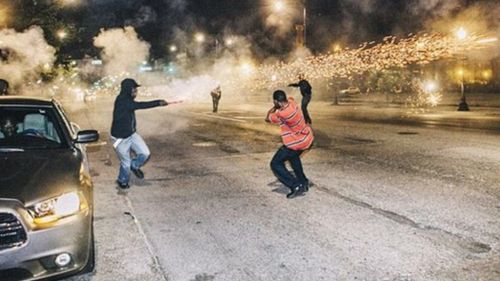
(161, 21)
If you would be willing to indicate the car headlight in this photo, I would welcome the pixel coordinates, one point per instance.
(55, 208)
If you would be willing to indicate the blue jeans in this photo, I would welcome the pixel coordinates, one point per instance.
(136, 144)
(278, 167)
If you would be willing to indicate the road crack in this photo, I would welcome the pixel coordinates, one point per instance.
(158, 267)
(466, 243)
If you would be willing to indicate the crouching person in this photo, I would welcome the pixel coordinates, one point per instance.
(297, 136)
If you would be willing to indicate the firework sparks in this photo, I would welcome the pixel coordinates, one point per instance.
(392, 52)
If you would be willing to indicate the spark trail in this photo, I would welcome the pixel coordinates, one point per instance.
(391, 53)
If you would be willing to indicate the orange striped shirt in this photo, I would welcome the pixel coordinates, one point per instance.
(295, 133)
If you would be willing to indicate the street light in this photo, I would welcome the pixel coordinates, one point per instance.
(336, 48)
(280, 6)
(487, 74)
(229, 42)
(199, 37)
(462, 35)
(173, 48)
(67, 3)
(62, 34)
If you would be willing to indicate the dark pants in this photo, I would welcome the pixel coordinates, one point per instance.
(305, 101)
(278, 167)
(215, 102)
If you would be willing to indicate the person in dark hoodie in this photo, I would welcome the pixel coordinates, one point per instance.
(306, 92)
(124, 135)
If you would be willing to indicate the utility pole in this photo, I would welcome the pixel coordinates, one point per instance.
(305, 23)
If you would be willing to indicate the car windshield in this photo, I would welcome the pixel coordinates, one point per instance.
(24, 128)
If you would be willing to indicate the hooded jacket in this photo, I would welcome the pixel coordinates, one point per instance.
(124, 122)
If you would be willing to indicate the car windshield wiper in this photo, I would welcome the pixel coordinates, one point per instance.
(11, 149)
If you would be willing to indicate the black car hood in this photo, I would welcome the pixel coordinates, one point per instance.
(33, 176)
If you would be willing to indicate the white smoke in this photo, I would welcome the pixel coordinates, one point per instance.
(24, 55)
(195, 88)
(436, 8)
(232, 68)
(427, 8)
(178, 5)
(366, 6)
(122, 50)
(282, 15)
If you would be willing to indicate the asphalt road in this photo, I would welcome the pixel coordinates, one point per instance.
(392, 199)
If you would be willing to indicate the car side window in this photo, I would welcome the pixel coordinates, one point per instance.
(28, 127)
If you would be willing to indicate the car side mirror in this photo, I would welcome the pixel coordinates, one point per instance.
(86, 136)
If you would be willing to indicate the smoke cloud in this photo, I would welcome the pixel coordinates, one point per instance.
(178, 5)
(282, 16)
(436, 8)
(231, 67)
(24, 55)
(365, 6)
(426, 8)
(122, 50)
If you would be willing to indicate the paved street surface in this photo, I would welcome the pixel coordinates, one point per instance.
(397, 195)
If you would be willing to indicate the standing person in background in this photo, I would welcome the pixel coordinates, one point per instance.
(4, 87)
(124, 135)
(297, 137)
(306, 92)
(216, 94)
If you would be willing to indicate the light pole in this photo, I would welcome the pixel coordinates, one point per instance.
(280, 6)
(305, 22)
(461, 35)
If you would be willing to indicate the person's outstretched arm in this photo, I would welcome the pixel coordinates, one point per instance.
(148, 104)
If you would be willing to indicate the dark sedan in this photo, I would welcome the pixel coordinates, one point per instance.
(46, 203)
